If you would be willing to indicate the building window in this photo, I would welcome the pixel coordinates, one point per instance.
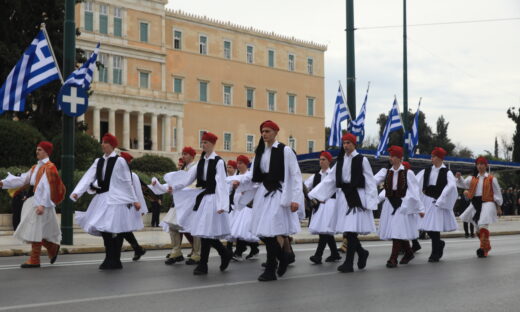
(103, 19)
(89, 16)
(270, 58)
(271, 101)
(227, 49)
(292, 103)
(250, 96)
(177, 85)
(310, 146)
(175, 137)
(118, 22)
(103, 69)
(291, 62)
(227, 95)
(310, 106)
(227, 141)
(203, 91)
(117, 74)
(310, 65)
(203, 45)
(292, 143)
(143, 31)
(250, 143)
(250, 54)
(144, 80)
(201, 133)
(177, 40)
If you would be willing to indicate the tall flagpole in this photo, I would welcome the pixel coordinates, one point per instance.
(42, 28)
(351, 59)
(405, 79)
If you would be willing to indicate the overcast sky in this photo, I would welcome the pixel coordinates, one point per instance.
(469, 72)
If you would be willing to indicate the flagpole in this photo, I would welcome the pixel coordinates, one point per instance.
(346, 104)
(42, 28)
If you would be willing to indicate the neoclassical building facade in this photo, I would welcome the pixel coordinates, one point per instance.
(168, 76)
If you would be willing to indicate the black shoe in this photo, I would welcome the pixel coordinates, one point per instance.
(391, 264)
(201, 269)
(190, 261)
(291, 257)
(105, 266)
(267, 276)
(472, 235)
(481, 253)
(333, 258)
(466, 235)
(253, 253)
(171, 261)
(53, 259)
(416, 247)
(29, 266)
(225, 259)
(264, 264)
(167, 256)
(344, 268)
(362, 259)
(284, 263)
(315, 259)
(433, 258)
(138, 253)
(441, 248)
(407, 258)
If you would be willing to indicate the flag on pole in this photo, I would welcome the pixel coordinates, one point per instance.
(35, 69)
(357, 127)
(341, 113)
(82, 77)
(412, 136)
(393, 123)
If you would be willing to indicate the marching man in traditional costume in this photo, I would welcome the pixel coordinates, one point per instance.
(324, 216)
(38, 225)
(398, 220)
(352, 181)
(486, 198)
(112, 210)
(439, 194)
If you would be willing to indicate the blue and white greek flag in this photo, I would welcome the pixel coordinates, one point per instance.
(82, 77)
(392, 123)
(357, 127)
(341, 113)
(35, 69)
(412, 137)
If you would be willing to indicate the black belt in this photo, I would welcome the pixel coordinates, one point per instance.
(396, 202)
(477, 204)
(352, 197)
(198, 200)
(431, 191)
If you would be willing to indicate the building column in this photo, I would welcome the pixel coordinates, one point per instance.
(155, 144)
(167, 130)
(126, 129)
(180, 134)
(96, 120)
(140, 131)
(112, 121)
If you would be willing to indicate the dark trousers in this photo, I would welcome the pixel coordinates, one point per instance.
(471, 228)
(436, 243)
(353, 247)
(205, 246)
(16, 207)
(130, 238)
(113, 246)
(324, 240)
(156, 212)
(274, 252)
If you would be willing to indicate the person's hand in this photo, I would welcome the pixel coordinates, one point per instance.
(235, 184)
(421, 214)
(154, 182)
(466, 193)
(499, 211)
(170, 189)
(294, 207)
(39, 210)
(137, 206)
(458, 175)
(221, 211)
(75, 196)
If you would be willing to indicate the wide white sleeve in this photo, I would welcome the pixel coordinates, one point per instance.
(84, 183)
(13, 182)
(463, 183)
(309, 181)
(411, 202)
(371, 195)
(326, 188)
(380, 176)
(449, 194)
(221, 188)
(42, 195)
(181, 179)
(158, 188)
(382, 196)
(139, 193)
(497, 192)
(121, 187)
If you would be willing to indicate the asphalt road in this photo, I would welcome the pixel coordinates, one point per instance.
(460, 282)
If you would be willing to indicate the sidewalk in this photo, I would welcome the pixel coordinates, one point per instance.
(155, 238)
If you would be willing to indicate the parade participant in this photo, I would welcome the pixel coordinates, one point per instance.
(398, 220)
(278, 201)
(439, 194)
(209, 221)
(356, 197)
(485, 195)
(231, 167)
(112, 210)
(231, 170)
(324, 216)
(179, 211)
(38, 225)
(129, 236)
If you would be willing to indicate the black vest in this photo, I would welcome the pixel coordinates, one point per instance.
(395, 197)
(357, 180)
(104, 182)
(435, 190)
(272, 179)
(210, 183)
(317, 179)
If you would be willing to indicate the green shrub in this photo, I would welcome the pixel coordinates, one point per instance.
(86, 151)
(152, 164)
(18, 141)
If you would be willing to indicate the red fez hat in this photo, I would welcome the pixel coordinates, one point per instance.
(210, 137)
(269, 124)
(110, 139)
(407, 165)
(126, 156)
(232, 163)
(244, 159)
(439, 152)
(46, 146)
(349, 137)
(481, 160)
(396, 151)
(189, 150)
(326, 155)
